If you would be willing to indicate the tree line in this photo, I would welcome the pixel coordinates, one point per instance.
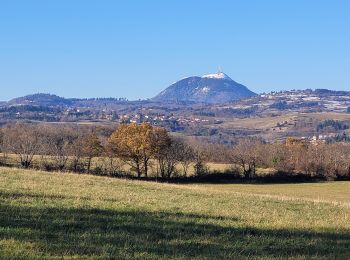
(142, 150)
(74, 148)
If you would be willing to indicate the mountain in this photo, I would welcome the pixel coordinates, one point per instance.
(41, 100)
(49, 100)
(211, 88)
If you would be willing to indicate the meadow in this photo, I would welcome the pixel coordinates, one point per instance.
(54, 215)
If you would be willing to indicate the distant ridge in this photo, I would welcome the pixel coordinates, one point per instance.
(50, 100)
(210, 88)
(42, 99)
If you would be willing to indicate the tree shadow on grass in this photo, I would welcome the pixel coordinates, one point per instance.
(234, 177)
(136, 233)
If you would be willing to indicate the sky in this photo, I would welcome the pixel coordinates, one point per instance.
(135, 49)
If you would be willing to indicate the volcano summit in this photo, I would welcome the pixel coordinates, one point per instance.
(211, 88)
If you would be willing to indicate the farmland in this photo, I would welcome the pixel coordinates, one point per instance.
(75, 215)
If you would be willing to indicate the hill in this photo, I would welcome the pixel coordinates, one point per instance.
(271, 116)
(55, 215)
(50, 100)
(40, 99)
(212, 88)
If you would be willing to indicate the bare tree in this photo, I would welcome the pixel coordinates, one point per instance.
(185, 155)
(55, 147)
(200, 167)
(2, 148)
(22, 140)
(76, 152)
(247, 155)
(337, 160)
(167, 152)
(1, 140)
(91, 148)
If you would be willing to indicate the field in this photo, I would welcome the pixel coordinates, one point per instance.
(270, 122)
(297, 124)
(78, 216)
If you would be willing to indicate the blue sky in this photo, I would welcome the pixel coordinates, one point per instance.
(134, 49)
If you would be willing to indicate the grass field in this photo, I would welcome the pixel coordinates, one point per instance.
(79, 216)
(269, 122)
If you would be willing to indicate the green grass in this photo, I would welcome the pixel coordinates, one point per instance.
(58, 215)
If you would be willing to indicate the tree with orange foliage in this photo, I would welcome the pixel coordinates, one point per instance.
(133, 144)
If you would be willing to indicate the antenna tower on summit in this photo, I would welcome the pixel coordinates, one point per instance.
(219, 69)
